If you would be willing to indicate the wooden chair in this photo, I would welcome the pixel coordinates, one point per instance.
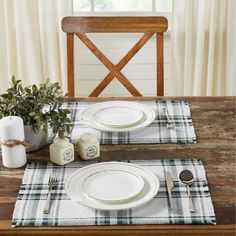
(79, 26)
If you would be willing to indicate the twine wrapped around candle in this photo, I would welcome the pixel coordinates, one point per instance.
(13, 142)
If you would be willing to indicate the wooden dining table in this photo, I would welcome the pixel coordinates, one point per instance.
(215, 125)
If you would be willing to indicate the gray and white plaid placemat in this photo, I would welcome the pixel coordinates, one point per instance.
(33, 192)
(156, 132)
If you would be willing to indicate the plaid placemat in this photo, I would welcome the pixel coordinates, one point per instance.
(33, 192)
(156, 132)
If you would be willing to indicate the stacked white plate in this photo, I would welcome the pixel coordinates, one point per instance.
(118, 116)
(112, 186)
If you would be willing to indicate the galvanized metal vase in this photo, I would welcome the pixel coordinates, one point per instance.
(36, 140)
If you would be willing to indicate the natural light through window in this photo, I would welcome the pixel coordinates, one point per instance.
(122, 5)
(96, 7)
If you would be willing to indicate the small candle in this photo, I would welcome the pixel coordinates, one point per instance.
(12, 128)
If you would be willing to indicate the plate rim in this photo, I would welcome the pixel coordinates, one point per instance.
(121, 206)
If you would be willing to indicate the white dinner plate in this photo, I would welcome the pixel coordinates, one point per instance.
(74, 186)
(141, 121)
(118, 116)
(112, 185)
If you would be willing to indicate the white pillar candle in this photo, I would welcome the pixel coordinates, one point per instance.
(12, 128)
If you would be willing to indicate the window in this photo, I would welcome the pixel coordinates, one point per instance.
(123, 7)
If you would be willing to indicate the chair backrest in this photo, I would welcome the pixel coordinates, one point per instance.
(79, 26)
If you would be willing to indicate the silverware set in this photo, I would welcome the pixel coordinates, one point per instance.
(187, 178)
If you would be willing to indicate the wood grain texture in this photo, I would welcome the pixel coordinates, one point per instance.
(214, 121)
(109, 65)
(81, 25)
(121, 64)
(70, 65)
(122, 24)
(160, 65)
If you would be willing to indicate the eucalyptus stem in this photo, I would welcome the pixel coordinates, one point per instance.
(29, 103)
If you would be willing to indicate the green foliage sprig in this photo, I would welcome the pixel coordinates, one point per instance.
(29, 103)
(60, 122)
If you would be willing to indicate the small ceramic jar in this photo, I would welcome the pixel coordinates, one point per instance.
(61, 151)
(88, 146)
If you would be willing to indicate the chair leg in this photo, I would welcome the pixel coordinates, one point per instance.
(70, 64)
(160, 69)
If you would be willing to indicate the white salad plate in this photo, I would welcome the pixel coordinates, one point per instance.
(112, 185)
(118, 116)
(79, 186)
(139, 116)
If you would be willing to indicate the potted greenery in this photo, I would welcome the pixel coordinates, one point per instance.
(61, 150)
(29, 103)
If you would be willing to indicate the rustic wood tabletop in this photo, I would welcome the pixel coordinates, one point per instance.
(215, 125)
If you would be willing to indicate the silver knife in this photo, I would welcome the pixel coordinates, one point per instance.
(170, 185)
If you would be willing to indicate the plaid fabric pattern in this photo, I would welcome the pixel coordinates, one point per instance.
(156, 132)
(64, 212)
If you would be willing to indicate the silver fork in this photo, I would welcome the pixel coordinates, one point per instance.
(170, 124)
(52, 183)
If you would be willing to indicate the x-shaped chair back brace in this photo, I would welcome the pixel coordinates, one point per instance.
(79, 26)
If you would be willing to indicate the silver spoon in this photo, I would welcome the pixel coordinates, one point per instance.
(187, 178)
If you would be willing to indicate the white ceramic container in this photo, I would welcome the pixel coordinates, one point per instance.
(88, 146)
(61, 151)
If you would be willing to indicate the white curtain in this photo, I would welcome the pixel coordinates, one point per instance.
(203, 47)
(32, 44)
